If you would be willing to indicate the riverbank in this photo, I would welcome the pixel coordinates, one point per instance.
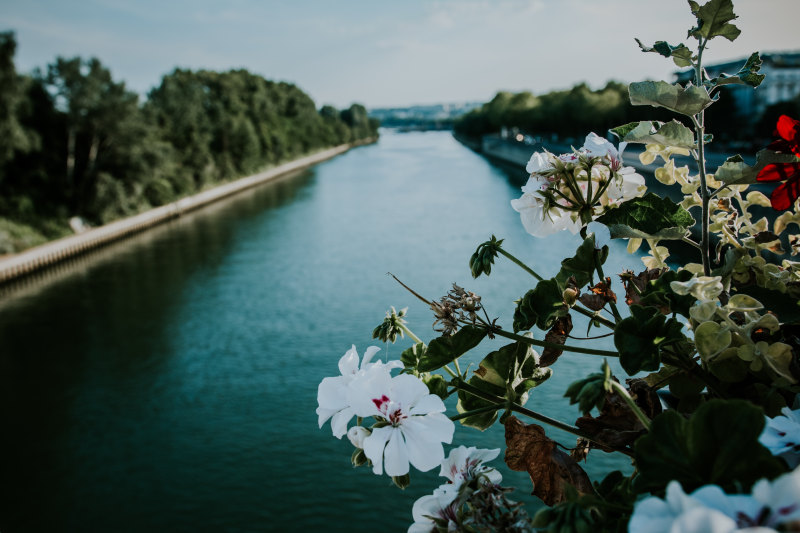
(43, 256)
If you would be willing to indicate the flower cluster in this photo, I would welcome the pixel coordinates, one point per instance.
(771, 505)
(463, 467)
(564, 192)
(409, 427)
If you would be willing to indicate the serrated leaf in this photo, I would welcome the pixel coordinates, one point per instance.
(445, 349)
(686, 101)
(411, 356)
(670, 134)
(747, 75)
(734, 171)
(713, 20)
(718, 445)
(658, 293)
(648, 217)
(680, 54)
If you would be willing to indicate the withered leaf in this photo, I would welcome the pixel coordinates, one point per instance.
(599, 295)
(616, 425)
(528, 449)
(635, 284)
(557, 334)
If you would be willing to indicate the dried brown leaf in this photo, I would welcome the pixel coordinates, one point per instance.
(635, 284)
(557, 334)
(528, 449)
(599, 295)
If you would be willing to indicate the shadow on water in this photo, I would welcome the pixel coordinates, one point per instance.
(85, 348)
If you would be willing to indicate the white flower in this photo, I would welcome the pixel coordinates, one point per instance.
(771, 505)
(415, 424)
(356, 436)
(627, 185)
(436, 505)
(332, 391)
(540, 222)
(782, 436)
(464, 464)
(596, 146)
(539, 162)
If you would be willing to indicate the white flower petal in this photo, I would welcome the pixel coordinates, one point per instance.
(339, 422)
(429, 404)
(396, 455)
(407, 390)
(356, 436)
(368, 355)
(374, 446)
(348, 364)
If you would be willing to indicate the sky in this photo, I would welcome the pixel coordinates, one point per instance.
(384, 53)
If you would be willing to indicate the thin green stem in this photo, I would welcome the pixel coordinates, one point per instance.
(450, 371)
(594, 316)
(689, 241)
(544, 344)
(502, 402)
(520, 264)
(475, 412)
(628, 400)
(410, 333)
(699, 126)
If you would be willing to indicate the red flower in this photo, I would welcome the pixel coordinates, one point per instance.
(784, 196)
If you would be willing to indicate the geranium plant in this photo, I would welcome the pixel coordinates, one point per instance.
(708, 413)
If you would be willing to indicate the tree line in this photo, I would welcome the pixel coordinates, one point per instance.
(573, 112)
(76, 142)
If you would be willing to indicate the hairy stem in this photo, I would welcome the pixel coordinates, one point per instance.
(520, 264)
(544, 344)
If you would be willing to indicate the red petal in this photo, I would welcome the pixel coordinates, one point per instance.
(788, 129)
(785, 194)
(778, 172)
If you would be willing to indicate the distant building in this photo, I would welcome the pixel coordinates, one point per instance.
(782, 82)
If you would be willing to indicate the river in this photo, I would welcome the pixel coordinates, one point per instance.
(168, 382)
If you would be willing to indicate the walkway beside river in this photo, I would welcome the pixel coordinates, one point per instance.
(43, 256)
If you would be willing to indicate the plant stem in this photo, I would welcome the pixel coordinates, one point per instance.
(594, 316)
(689, 241)
(479, 411)
(544, 344)
(699, 127)
(628, 400)
(519, 263)
(410, 333)
(502, 402)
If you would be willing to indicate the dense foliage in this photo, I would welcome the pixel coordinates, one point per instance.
(709, 414)
(77, 143)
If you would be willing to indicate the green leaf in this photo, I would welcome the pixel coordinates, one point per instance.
(443, 350)
(436, 385)
(747, 75)
(713, 20)
(680, 54)
(510, 372)
(717, 445)
(670, 134)
(540, 306)
(648, 217)
(482, 260)
(734, 171)
(658, 293)
(640, 337)
(581, 266)
(411, 356)
(689, 101)
(590, 392)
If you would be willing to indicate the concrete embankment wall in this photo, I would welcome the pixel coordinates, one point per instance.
(40, 257)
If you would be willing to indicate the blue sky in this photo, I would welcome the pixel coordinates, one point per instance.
(381, 52)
